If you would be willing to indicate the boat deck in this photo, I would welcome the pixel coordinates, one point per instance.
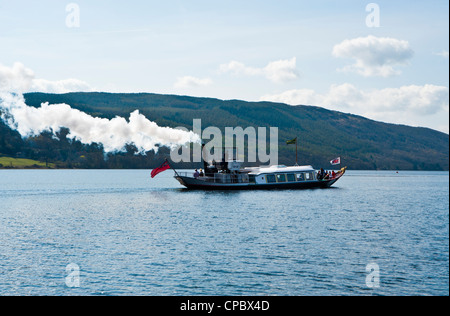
(246, 180)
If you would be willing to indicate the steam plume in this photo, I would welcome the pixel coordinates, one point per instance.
(114, 134)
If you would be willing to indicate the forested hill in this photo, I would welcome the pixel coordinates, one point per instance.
(322, 134)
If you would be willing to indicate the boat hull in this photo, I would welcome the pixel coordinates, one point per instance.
(198, 184)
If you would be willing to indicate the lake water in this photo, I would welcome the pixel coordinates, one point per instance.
(118, 232)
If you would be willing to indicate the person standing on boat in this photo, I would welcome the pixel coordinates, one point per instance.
(321, 174)
(196, 174)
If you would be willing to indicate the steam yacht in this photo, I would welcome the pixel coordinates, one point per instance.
(229, 175)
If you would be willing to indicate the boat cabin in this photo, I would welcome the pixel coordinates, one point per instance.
(281, 174)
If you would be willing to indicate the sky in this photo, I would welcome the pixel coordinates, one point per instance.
(385, 60)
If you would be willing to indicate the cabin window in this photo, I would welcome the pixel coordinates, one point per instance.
(309, 176)
(281, 177)
(300, 176)
(290, 177)
(251, 178)
(270, 178)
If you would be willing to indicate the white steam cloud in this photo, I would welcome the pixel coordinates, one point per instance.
(114, 134)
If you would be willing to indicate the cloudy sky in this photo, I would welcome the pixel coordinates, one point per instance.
(386, 60)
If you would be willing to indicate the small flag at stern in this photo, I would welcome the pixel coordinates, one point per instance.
(336, 161)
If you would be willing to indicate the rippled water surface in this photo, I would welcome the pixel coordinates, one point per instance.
(127, 234)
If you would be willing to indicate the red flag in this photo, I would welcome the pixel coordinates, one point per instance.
(160, 169)
(336, 161)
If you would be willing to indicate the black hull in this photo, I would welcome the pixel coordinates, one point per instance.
(196, 184)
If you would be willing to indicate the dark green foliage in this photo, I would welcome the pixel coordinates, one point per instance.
(322, 134)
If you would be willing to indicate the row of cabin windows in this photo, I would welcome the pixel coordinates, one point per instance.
(289, 177)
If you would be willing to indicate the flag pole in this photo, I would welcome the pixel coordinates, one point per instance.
(289, 142)
(167, 160)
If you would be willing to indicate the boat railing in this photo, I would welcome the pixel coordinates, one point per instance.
(218, 177)
(186, 174)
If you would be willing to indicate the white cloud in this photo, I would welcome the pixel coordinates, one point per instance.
(60, 86)
(190, 82)
(279, 71)
(412, 105)
(443, 54)
(374, 56)
(17, 78)
(20, 79)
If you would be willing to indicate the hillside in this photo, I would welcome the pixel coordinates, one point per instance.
(322, 134)
(20, 163)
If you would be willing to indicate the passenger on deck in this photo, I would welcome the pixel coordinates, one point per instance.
(333, 174)
(196, 174)
(201, 174)
(321, 174)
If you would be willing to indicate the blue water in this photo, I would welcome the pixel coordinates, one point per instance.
(128, 234)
